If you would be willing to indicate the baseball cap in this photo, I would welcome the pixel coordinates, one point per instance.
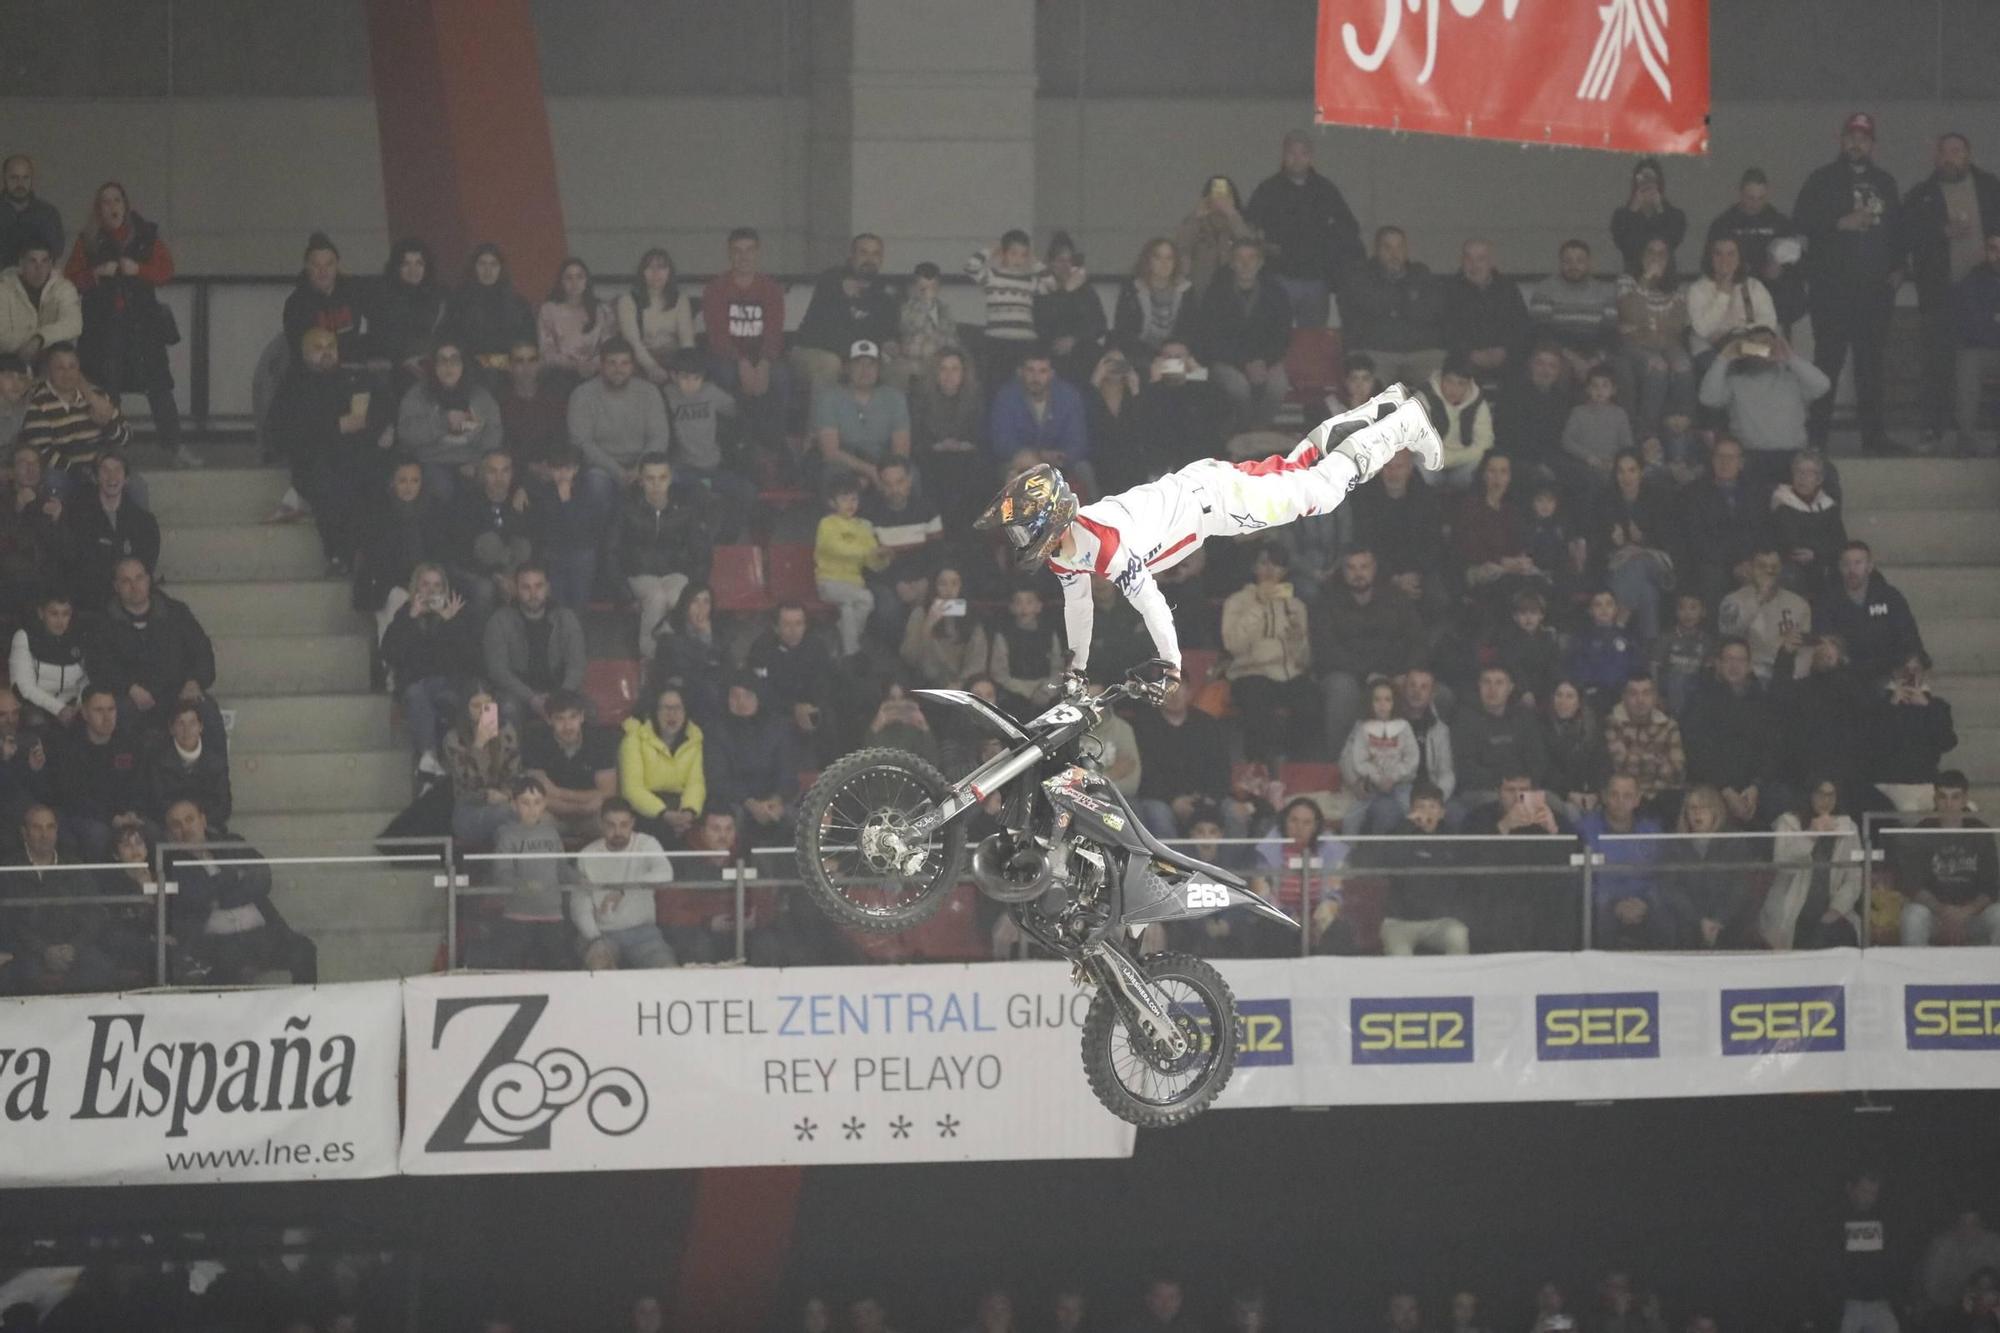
(863, 347)
(1860, 120)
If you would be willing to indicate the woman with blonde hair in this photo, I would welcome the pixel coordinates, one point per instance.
(1709, 902)
(430, 646)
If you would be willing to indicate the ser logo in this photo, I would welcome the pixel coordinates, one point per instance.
(1784, 1020)
(1951, 1018)
(1412, 1030)
(1264, 1033)
(1607, 1025)
(509, 1102)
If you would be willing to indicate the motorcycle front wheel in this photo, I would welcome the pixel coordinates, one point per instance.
(1139, 1082)
(854, 852)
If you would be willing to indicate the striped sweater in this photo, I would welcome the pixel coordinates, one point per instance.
(1010, 295)
(61, 428)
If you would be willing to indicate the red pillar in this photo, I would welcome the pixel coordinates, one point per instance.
(466, 151)
(739, 1241)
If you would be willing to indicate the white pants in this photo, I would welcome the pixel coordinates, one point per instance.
(1445, 934)
(855, 603)
(656, 595)
(1246, 498)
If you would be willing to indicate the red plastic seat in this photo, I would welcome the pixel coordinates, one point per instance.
(1299, 777)
(1313, 363)
(739, 580)
(612, 686)
(1197, 665)
(789, 570)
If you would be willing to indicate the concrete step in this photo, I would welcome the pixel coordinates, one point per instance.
(377, 955)
(1948, 590)
(1986, 800)
(323, 606)
(215, 495)
(356, 897)
(1964, 646)
(1974, 700)
(1940, 536)
(309, 833)
(322, 781)
(1875, 484)
(243, 552)
(1978, 751)
(286, 724)
(288, 664)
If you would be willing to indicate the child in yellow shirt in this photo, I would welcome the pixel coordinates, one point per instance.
(845, 545)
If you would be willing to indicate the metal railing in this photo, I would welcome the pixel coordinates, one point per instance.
(132, 924)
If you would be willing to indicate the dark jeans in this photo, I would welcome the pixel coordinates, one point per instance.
(1280, 718)
(1845, 320)
(1940, 354)
(507, 945)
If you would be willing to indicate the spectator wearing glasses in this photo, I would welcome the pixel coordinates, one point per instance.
(448, 422)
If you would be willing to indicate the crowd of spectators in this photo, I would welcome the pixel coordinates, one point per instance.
(1629, 599)
(1865, 1271)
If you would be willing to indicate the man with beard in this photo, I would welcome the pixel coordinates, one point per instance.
(1851, 215)
(1946, 219)
(850, 303)
(24, 215)
(320, 419)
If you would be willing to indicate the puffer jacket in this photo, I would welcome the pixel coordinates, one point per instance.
(647, 766)
(1266, 636)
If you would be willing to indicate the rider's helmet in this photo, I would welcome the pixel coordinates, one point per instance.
(1033, 510)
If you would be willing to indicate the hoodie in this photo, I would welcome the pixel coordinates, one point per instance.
(1878, 628)
(1813, 524)
(1383, 753)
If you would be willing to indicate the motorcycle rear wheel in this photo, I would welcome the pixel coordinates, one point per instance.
(850, 815)
(1143, 1086)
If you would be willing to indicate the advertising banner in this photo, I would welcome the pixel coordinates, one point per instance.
(1592, 1026)
(748, 1067)
(196, 1086)
(1630, 75)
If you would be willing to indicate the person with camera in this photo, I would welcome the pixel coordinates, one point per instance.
(1766, 389)
(942, 644)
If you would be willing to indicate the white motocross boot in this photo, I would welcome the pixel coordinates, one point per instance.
(1342, 424)
(1408, 427)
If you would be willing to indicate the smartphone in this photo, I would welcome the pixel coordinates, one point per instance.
(490, 715)
(1173, 365)
(952, 606)
(1784, 622)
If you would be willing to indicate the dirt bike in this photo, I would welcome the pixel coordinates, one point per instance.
(882, 839)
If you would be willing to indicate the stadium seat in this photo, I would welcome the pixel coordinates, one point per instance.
(739, 580)
(1313, 363)
(952, 936)
(790, 577)
(611, 685)
(1197, 664)
(1302, 777)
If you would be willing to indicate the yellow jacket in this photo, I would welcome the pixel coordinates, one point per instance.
(646, 767)
(843, 546)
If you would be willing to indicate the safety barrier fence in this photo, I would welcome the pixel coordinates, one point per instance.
(197, 916)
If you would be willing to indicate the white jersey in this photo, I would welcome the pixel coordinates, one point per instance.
(1129, 537)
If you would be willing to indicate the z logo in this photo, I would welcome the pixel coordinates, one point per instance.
(508, 1103)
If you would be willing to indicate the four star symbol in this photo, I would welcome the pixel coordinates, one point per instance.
(854, 1127)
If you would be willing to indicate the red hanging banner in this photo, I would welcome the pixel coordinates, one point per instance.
(1630, 75)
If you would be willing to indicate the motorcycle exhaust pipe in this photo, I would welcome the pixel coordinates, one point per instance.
(1011, 872)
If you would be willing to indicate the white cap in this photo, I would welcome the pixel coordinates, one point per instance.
(864, 348)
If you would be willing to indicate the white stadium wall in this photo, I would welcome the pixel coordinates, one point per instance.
(237, 183)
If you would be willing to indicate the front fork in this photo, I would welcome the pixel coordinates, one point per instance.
(1109, 966)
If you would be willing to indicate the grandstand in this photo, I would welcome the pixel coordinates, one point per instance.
(400, 921)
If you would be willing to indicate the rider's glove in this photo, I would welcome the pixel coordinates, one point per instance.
(1074, 682)
(1157, 690)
